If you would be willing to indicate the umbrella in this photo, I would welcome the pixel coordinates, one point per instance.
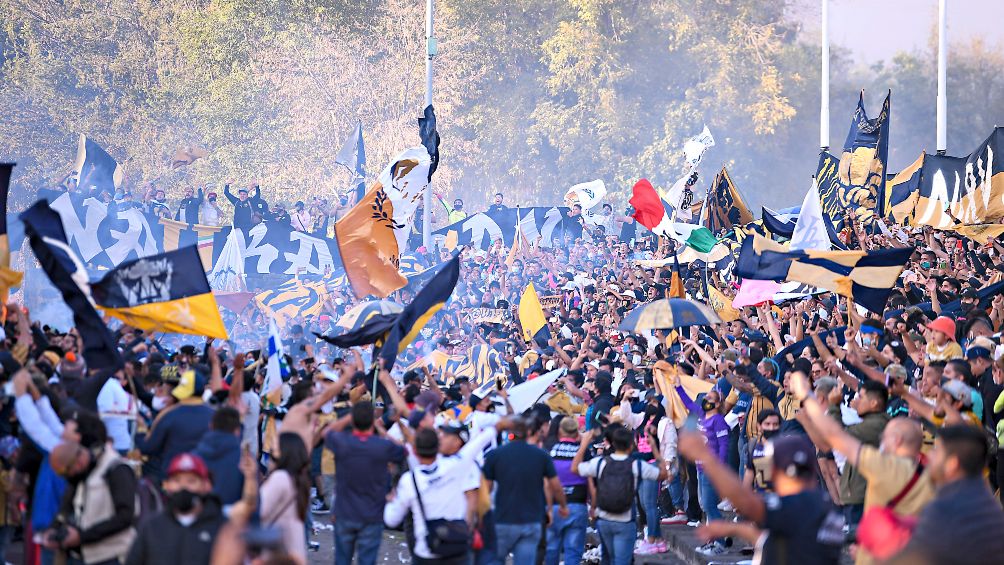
(669, 313)
(360, 313)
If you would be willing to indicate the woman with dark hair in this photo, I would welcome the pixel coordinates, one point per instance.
(285, 494)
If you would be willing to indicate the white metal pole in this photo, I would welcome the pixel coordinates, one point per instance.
(942, 78)
(824, 90)
(430, 52)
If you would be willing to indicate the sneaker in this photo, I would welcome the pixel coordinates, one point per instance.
(694, 523)
(660, 547)
(678, 518)
(313, 546)
(645, 548)
(725, 506)
(319, 507)
(711, 549)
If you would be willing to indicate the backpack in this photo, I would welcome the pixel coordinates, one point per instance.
(615, 485)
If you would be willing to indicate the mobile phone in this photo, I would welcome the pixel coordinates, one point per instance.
(498, 384)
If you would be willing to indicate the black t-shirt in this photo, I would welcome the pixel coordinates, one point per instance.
(802, 528)
(519, 469)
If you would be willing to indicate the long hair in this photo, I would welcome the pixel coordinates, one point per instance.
(295, 460)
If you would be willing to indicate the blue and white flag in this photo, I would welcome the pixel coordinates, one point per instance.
(276, 370)
(588, 194)
(810, 229)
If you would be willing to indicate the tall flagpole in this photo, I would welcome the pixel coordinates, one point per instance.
(824, 90)
(942, 78)
(430, 52)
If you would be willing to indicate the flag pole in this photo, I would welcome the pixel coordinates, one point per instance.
(824, 100)
(430, 52)
(942, 77)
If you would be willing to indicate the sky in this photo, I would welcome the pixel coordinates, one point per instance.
(863, 26)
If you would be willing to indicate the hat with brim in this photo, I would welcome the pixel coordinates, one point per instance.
(943, 324)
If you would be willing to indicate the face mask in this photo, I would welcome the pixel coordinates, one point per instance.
(707, 405)
(925, 264)
(182, 502)
(767, 434)
(159, 402)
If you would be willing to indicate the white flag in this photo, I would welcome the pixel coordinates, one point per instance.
(276, 368)
(810, 229)
(694, 148)
(588, 194)
(228, 272)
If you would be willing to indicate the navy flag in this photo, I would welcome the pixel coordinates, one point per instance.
(413, 318)
(430, 137)
(861, 173)
(167, 293)
(95, 168)
(68, 274)
(725, 204)
(352, 155)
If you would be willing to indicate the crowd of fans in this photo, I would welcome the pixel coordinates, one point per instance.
(827, 431)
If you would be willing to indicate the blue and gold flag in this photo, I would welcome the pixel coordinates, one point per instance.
(293, 298)
(531, 317)
(413, 318)
(725, 204)
(482, 365)
(167, 293)
(8, 278)
(867, 277)
(860, 183)
(68, 274)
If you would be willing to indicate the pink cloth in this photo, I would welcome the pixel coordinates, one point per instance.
(753, 292)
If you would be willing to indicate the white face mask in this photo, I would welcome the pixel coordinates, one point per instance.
(159, 402)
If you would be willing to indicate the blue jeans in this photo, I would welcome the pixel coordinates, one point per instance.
(357, 539)
(648, 493)
(618, 541)
(487, 555)
(519, 539)
(708, 497)
(743, 454)
(567, 534)
(675, 488)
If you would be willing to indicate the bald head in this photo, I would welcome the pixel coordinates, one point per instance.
(69, 458)
(903, 437)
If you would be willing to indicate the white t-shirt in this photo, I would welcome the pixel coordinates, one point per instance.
(478, 421)
(594, 467)
(117, 411)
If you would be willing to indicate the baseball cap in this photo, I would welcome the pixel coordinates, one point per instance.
(474, 400)
(980, 347)
(960, 391)
(457, 429)
(188, 463)
(793, 455)
(415, 417)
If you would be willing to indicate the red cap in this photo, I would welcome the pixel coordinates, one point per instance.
(188, 463)
(945, 325)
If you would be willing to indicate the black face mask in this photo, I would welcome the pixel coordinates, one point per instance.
(707, 405)
(768, 434)
(182, 502)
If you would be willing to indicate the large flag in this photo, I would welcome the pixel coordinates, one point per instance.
(680, 198)
(861, 173)
(162, 293)
(753, 292)
(228, 272)
(867, 277)
(413, 318)
(725, 204)
(782, 225)
(352, 156)
(95, 168)
(531, 317)
(68, 274)
(276, 370)
(676, 289)
(8, 277)
(810, 228)
(694, 236)
(293, 298)
(374, 233)
(482, 365)
(722, 305)
(588, 194)
(950, 190)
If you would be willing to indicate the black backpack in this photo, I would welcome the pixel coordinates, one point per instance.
(615, 485)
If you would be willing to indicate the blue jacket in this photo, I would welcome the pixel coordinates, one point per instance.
(222, 453)
(176, 430)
